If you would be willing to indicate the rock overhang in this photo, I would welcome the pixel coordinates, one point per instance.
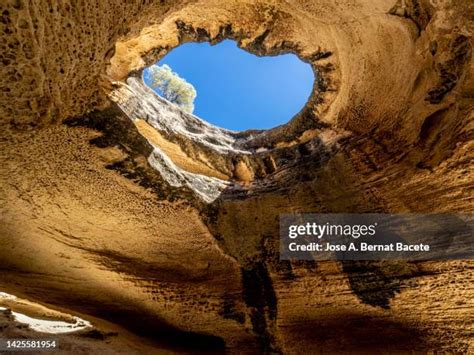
(395, 80)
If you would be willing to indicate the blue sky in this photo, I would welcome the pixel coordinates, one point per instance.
(238, 90)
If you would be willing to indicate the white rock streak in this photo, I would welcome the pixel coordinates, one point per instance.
(208, 188)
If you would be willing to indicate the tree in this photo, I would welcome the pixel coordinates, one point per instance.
(172, 87)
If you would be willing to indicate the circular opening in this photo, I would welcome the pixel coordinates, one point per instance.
(230, 87)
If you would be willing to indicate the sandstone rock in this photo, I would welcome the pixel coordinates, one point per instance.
(91, 226)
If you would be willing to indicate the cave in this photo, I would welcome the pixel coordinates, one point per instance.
(161, 229)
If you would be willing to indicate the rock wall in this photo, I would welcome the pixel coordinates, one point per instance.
(91, 226)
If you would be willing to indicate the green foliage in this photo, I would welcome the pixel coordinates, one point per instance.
(172, 87)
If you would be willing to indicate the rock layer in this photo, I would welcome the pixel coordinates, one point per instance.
(89, 225)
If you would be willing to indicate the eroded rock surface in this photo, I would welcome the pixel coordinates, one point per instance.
(91, 225)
